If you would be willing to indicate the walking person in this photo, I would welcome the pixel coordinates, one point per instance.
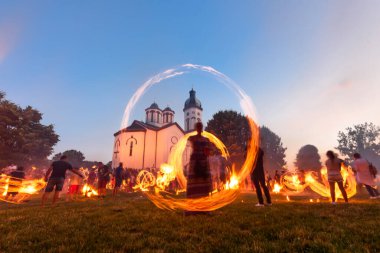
(333, 165)
(57, 178)
(74, 187)
(364, 176)
(118, 175)
(258, 179)
(103, 179)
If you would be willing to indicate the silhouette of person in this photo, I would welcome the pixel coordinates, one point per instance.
(199, 183)
(258, 179)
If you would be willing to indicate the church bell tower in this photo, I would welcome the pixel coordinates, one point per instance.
(192, 112)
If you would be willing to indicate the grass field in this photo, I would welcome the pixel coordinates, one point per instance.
(132, 224)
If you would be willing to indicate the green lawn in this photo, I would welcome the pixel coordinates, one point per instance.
(133, 224)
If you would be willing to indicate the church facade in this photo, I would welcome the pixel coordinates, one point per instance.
(148, 144)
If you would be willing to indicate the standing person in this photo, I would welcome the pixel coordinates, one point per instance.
(222, 169)
(103, 179)
(199, 183)
(333, 165)
(364, 176)
(15, 182)
(258, 179)
(118, 175)
(57, 178)
(277, 177)
(74, 187)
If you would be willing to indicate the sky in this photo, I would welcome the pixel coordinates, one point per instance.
(312, 68)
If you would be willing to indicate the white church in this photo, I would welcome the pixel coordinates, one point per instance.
(148, 144)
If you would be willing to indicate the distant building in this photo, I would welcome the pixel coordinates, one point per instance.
(148, 144)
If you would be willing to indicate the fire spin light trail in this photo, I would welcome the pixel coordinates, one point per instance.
(169, 172)
(293, 182)
(24, 188)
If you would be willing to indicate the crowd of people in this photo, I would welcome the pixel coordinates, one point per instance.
(206, 172)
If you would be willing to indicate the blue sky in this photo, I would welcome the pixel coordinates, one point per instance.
(312, 68)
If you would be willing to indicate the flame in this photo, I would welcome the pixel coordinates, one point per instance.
(89, 191)
(173, 170)
(323, 188)
(292, 181)
(233, 183)
(23, 188)
(277, 188)
(6, 187)
(287, 198)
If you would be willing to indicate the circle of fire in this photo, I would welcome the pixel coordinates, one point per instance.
(173, 169)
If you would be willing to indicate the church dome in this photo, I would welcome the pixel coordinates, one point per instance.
(192, 101)
(168, 109)
(154, 106)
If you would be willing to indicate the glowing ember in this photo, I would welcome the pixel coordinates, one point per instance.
(287, 198)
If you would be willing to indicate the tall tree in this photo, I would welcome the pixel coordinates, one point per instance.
(23, 139)
(274, 150)
(362, 138)
(308, 158)
(233, 130)
(75, 157)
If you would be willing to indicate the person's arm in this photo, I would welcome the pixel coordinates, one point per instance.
(48, 173)
(77, 172)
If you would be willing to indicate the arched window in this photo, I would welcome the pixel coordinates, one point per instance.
(131, 148)
(151, 116)
(187, 124)
(132, 141)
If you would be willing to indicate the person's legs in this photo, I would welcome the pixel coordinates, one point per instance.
(58, 189)
(45, 197)
(372, 191)
(48, 189)
(332, 191)
(265, 188)
(55, 197)
(258, 190)
(343, 191)
(369, 190)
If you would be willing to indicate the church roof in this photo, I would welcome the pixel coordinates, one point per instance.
(153, 106)
(192, 101)
(139, 126)
(168, 109)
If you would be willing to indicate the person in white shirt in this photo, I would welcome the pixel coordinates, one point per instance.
(333, 165)
(364, 176)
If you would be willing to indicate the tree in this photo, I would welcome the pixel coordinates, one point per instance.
(233, 130)
(23, 139)
(308, 158)
(75, 157)
(361, 138)
(274, 151)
